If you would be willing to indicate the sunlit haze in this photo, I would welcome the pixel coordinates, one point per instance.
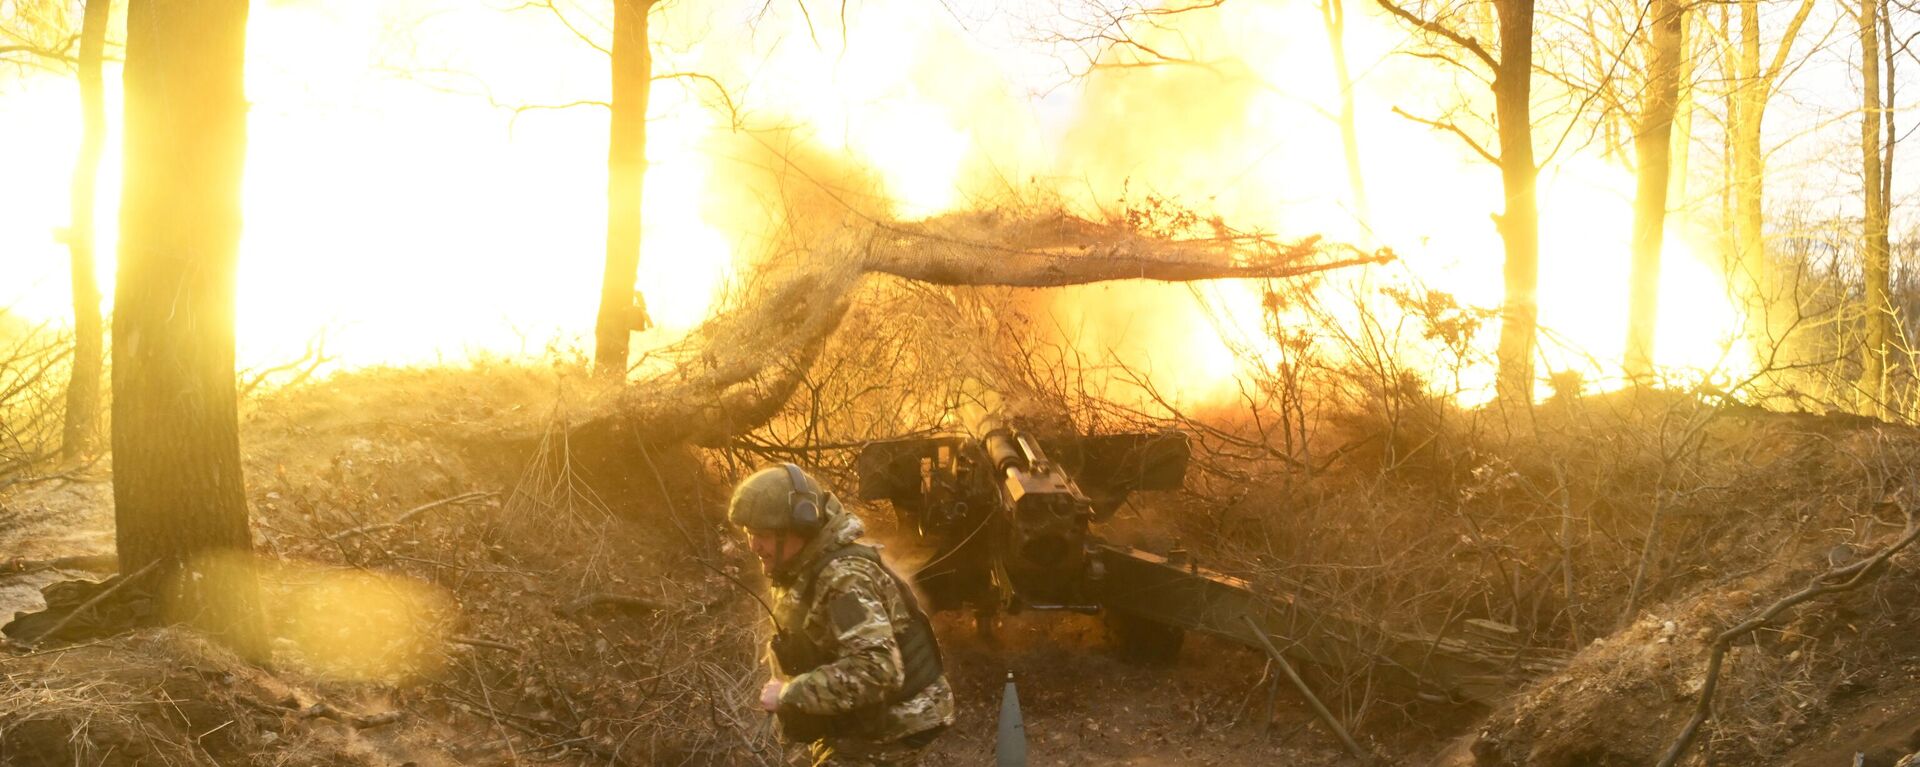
(399, 203)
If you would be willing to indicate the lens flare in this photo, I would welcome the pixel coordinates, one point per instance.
(354, 625)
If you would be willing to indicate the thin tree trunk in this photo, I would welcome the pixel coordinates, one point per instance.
(1896, 336)
(1682, 150)
(1520, 222)
(1887, 107)
(179, 497)
(83, 387)
(1334, 14)
(1770, 311)
(1749, 101)
(620, 312)
(1729, 68)
(1874, 245)
(1652, 144)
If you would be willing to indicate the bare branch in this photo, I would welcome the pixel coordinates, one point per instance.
(1057, 249)
(462, 498)
(554, 7)
(1455, 129)
(1473, 46)
(726, 98)
(523, 108)
(1112, 30)
(1786, 44)
(35, 50)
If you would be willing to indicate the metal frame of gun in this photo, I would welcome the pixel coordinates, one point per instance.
(1011, 513)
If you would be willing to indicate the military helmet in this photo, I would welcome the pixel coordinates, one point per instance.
(779, 497)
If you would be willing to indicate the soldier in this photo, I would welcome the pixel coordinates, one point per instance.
(863, 678)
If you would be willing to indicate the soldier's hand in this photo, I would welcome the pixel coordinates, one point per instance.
(770, 695)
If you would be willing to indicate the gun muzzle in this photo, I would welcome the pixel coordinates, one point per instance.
(1005, 450)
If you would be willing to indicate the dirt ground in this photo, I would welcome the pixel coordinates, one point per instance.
(1083, 706)
(511, 670)
(456, 583)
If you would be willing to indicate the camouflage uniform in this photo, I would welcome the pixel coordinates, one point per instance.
(854, 613)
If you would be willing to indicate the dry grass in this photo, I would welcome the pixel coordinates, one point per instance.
(33, 376)
(161, 697)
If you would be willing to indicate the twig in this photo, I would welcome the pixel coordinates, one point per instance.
(1471, 45)
(30, 481)
(100, 563)
(356, 721)
(97, 599)
(624, 601)
(303, 368)
(482, 642)
(12, 645)
(1301, 685)
(409, 514)
(1455, 129)
(1648, 549)
(377, 720)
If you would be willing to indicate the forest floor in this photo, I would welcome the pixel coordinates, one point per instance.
(557, 613)
(512, 668)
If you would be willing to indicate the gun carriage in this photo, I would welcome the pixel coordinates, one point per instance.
(1013, 520)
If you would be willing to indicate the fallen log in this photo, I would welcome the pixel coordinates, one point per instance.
(737, 370)
(34, 629)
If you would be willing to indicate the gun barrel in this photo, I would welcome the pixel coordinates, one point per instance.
(1004, 450)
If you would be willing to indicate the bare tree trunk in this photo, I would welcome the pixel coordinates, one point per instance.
(1729, 66)
(1748, 102)
(1683, 123)
(1769, 312)
(1896, 335)
(620, 312)
(179, 497)
(1520, 222)
(1652, 144)
(1874, 249)
(1887, 107)
(83, 387)
(1334, 14)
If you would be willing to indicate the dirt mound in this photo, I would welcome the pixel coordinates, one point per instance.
(169, 696)
(1795, 689)
(1830, 676)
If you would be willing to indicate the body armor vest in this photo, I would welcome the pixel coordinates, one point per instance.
(797, 653)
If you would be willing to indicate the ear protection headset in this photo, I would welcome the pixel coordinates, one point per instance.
(803, 501)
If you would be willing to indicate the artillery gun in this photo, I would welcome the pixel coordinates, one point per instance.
(1012, 520)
